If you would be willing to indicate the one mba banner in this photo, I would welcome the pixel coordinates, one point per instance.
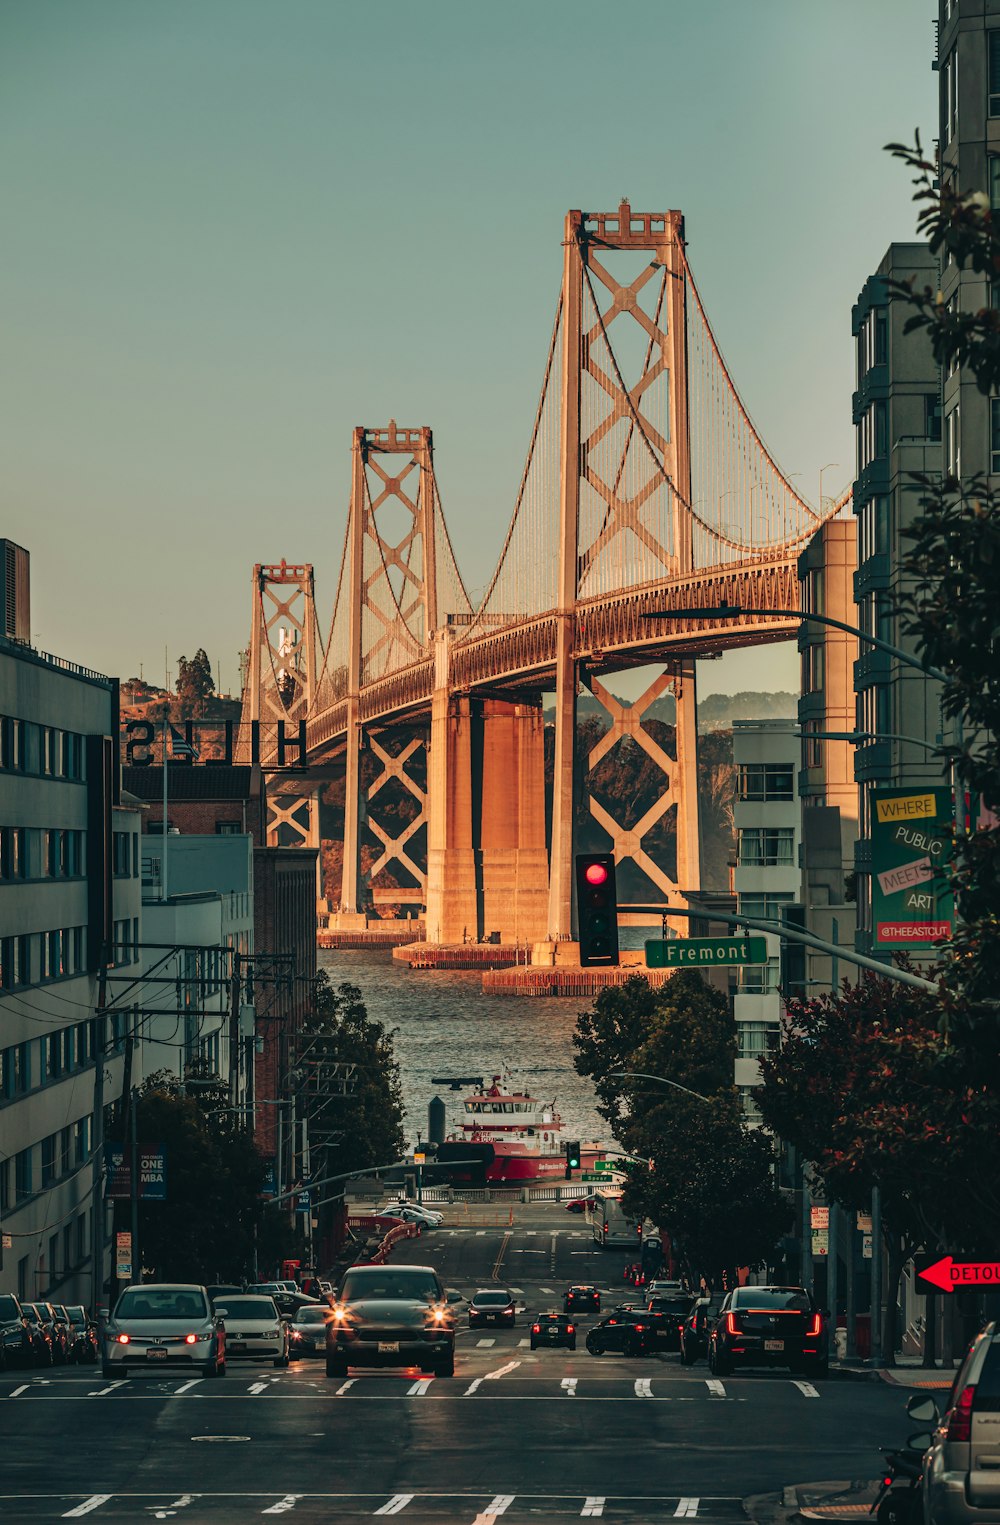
(911, 835)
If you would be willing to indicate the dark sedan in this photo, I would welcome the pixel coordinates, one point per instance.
(48, 1346)
(553, 1329)
(16, 1339)
(584, 1297)
(697, 1327)
(307, 1333)
(491, 1307)
(769, 1326)
(84, 1341)
(629, 1332)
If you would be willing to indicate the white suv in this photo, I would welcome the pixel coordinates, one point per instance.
(961, 1474)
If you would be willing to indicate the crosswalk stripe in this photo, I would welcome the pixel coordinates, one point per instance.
(686, 1508)
(520, 1343)
(643, 1387)
(186, 1387)
(715, 1387)
(476, 1381)
(419, 1387)
(593, 1507)
(102, 1392)
(342, 1389)
(500, 1504)
(94, 1502)
(396, 1504)
(485, 1343)
(569, 1383)
(25, 1385)
(283, 1505)
(806, 1389)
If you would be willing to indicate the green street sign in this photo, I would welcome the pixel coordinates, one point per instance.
(705, 952)
(912, 902)
(604, 1164)
(589, 1175)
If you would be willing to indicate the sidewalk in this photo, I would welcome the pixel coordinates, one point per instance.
(903, 1374)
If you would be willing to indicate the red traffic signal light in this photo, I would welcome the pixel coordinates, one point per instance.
(597, 910)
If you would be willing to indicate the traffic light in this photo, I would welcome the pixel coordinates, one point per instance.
(597, 909)
(572, 1152)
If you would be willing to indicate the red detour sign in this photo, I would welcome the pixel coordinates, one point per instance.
(943, 1273)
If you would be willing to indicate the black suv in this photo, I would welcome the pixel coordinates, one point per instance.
(17, 1346)
(553, 1329)
(582, 1297)
(392, 1316)
(769, 1326)
(627, 1330)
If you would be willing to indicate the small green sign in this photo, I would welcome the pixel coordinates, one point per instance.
(604, 1164)
(705, 952)
(589, 1175)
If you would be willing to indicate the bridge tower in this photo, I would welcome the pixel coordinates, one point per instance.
(280, 688)
(392, 613)
(607, 423)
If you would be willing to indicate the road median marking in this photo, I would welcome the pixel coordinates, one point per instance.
(19, 1390)
(592, 1507)
(716, 1389)
(342, 1389)
(283, 1505)
(186, 1387)
(806, 1389)
(94, 1502)
(102, 1392)
(569, 1386)
(686, 1509)
(485, 1344)
(501, 1371)
(419, 1387)
(396, 1504)
(643, 1387)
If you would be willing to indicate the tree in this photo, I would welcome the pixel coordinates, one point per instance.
(195, 686)
(711, 1184)
(205, 1229)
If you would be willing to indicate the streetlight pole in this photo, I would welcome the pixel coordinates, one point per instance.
(662, 1079)
(828, 467)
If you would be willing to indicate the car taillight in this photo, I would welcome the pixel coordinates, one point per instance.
(570, 1328)
(123, 1339)
(732, 1327)
(960, 1424)
(887, 1482)
(638, 1326)
(815, 1325)
(536, 1328)
(190, 1339)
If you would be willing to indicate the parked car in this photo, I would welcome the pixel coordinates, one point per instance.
(491, 1306)
(16, 1338)
(228, 1289)
(769, 1326)
(263, 1288)
(85, 1344)
(627, 1331)
(414, 1212)
(960, 1479)
(163, 1324)
(42, 1352)
(582, 1297)
(396, 1315)
(667, 1315)
(660, 1286)
(54, 1327)
(553, 1329)
(307, 1331)
(289, 1303)
(254, 1329)
(697, 1326)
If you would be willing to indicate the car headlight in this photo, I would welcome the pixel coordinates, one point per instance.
(339, 1315)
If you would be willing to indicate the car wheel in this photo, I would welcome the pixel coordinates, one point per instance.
(446, 1367)
(534, 1344)
(594, 1347)
(281, 1361)
(336, 1366)
(211, 1368)
(686, 1358)
(572, 1344)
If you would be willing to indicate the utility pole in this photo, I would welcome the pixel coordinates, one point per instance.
(133, 1185)
(97, 1140)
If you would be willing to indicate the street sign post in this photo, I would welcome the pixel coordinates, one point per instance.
(912, 902)
(942, 1273)
(704, 952)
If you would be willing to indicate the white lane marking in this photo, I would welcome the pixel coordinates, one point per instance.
(168, 1510)
(485, 1343)
(344, 1386)
(716, 1389)
(24, 1387)
(521, 1344)
(103, 1391)
(396, 1504)
(472, 1387)
(283, 1505)
(530, 1233)
(257, 1387)
(480, 1233)
(687, 1508)
(419, 1388)
(643, 1387)
(186, 1387)
(94, 1502)
(806, 1389)
(518, 1291)
(500, 1505)
(569, 1384)
(593, 1507)
(546, 1290)
(502, 1371)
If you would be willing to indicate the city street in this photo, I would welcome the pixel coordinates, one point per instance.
(550, 1434)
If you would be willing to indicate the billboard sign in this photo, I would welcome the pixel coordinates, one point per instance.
(912, 902)
(152, 1182)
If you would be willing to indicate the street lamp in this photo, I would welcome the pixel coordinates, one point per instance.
(662, 1079)
(828, 467)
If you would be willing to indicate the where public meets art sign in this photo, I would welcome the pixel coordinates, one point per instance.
(911, 833)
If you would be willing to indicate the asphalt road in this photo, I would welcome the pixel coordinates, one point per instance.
(526, 1436)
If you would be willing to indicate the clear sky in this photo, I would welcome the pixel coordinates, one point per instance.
(233, 229)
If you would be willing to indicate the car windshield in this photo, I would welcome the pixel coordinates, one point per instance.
(33, 1311)
(792, 1299)
(552, 1318)
(77, 1315)
(581, 1289)
(491, 1299)
(247, 1307)
(162, 1303)
(414, 1286)
(312, 1315)
(8, 1308)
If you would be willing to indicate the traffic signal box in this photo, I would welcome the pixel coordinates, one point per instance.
(572, 1152)
(597, 910)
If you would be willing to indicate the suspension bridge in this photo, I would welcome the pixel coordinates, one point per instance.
(645, 487)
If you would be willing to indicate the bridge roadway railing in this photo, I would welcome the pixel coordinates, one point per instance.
(606, 624)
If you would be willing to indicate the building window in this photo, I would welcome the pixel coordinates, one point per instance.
(751, 1111)
(813, 669)
(68, 1261)
(950, 72)
(760, 979)
(81, 1238)
(995, 417)
(766, 846)
(953, 435)
(65, 1151)
(49, 1160)
(766, 781)
(81, 1141)
(22, 1278)
(766, 907)
(53, 1257)
(11, 744)
(932, 416)
(22, 1175)
(228, 828)
(5, 1202)
(755, 1039)
(812, 745)
(121, 852)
